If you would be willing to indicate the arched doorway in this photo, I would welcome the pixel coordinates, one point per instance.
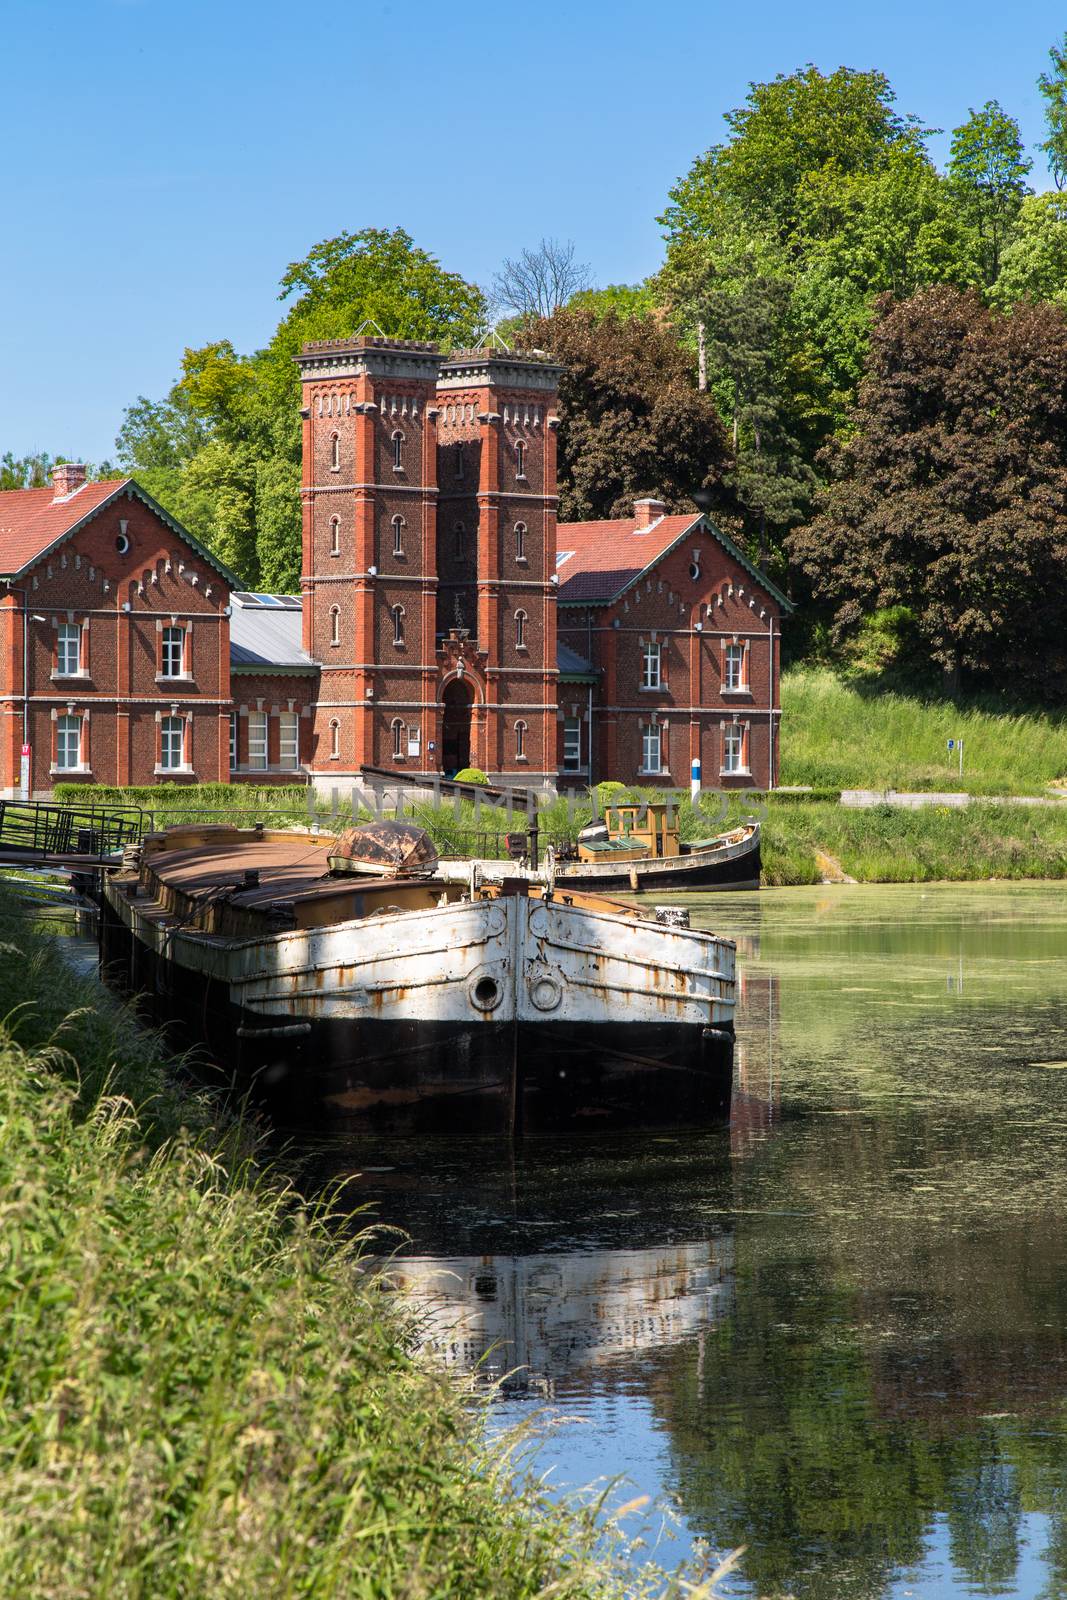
(457, 699)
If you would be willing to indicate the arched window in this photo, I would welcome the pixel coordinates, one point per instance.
(335, 452)
(521, 620)
(520, 459)
(458, 538)
(520, 741)
(335, 536)
(398, 451)
(335, 624)
(335, 739)
(398, 738)
(520, 541)
(398, 625)
(398, 536)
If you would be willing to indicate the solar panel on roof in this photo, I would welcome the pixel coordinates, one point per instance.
(267, 599)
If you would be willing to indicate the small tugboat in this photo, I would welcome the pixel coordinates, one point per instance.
(350, 982)
(638, 847)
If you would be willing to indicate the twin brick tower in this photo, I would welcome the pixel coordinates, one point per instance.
(429, 557)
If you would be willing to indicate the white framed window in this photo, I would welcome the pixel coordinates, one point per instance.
(733, 748)
(172, 657)
(651, 747)
(520, 458)
(397, 726)
(335, 740)
(335, 536)
(288, 740)
(335, 624)
(68, 650)
(520, 541)
(572, 744)
(398, 451)
(233, 741)
(520, 741)
(68, 743)
(735, 667)
(652, 666)
(172, 743)
(335, 452)
(257, 740)
(398, 626)
(398, 536)
(521, 619)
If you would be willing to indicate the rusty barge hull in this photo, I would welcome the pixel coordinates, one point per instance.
(421, 1009)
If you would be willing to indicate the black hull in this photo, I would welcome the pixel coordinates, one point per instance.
(422, 1078)
(660, 877)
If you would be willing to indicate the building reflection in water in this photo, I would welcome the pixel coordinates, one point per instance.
(534, 1322)
(757, 1098)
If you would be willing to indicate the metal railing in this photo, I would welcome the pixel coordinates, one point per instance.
(38, 828)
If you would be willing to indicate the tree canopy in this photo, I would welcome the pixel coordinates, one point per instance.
(632, 422)
(950, 496)
(222, 450)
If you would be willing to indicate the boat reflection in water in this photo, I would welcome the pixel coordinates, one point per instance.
(533, 1322)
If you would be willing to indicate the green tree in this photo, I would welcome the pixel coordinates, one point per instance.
(624, 299)
(35, 471)
(950, 496)
(1033, 265)
(1053, 86)
(825, 186)
(26, 472)
(632, 421)
(746, 343)
(222, 452)
(988, 169)
(800, 123)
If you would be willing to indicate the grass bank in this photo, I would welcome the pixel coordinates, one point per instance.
(203, 1393)
(888, 845)
(852, 736)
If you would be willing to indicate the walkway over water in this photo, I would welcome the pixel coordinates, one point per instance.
(37, 833)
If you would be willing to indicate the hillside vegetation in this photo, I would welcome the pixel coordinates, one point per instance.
(850, 736)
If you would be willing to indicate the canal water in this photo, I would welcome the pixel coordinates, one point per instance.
(835, 1333)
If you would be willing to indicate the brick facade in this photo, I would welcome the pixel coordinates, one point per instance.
(429, 558)
(89, 619)
(690, 607)
(444, 619)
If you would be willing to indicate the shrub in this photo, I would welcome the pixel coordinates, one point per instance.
(472, 775)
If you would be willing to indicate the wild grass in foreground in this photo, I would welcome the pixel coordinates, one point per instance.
(203, 1391)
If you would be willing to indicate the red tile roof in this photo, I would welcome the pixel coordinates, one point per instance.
(31, 520)
(597, 560)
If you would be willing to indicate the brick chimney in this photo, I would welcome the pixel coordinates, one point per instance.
(67, 477)
(646, 512)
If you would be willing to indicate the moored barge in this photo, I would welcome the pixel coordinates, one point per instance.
(352, 984)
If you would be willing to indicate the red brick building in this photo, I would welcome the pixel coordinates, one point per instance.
(429, 584)
(114, 640)
(679, 638)
(444, 620)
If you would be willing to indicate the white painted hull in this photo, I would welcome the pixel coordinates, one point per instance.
(448, 1003)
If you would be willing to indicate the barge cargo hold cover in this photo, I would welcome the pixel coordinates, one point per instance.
(395, 1001)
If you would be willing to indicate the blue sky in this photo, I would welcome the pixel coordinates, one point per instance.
(165, 159)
